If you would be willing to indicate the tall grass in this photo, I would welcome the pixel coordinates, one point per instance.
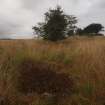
(82, 58)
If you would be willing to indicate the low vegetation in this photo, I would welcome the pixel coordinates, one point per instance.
(75, 65)
(38, 77)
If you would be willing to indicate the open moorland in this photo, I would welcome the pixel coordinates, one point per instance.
(75, 65)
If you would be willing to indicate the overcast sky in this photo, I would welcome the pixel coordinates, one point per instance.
(18, 16)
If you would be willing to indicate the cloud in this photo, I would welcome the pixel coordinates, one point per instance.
(14, 20)
(18, 16)
(95, 14)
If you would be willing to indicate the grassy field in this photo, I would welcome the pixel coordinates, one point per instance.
(83, 58)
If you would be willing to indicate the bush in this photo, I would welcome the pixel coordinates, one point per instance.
(40, 78)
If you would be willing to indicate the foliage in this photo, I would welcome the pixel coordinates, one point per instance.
(70, 33)
(56, 25)
(93, 29)
(79, 31)
(72, 25)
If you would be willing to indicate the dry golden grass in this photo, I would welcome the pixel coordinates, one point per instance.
(83, 58)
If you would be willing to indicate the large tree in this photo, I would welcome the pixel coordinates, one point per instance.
(93, 28)
(56, 25)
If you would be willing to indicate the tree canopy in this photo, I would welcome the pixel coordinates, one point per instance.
(93, 28)
(56, 25)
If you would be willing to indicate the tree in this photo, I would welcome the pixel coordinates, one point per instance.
(71, 26)
(55, 26)
(70, 33)
(93, 29)
(79, 31)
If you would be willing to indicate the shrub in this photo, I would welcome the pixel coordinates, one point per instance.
(40, 78)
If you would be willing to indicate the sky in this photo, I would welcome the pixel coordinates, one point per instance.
(18, 16)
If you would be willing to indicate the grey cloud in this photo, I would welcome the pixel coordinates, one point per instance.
(18, 16)
(94, 14)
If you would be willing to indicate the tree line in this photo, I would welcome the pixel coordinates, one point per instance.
(58, 25)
